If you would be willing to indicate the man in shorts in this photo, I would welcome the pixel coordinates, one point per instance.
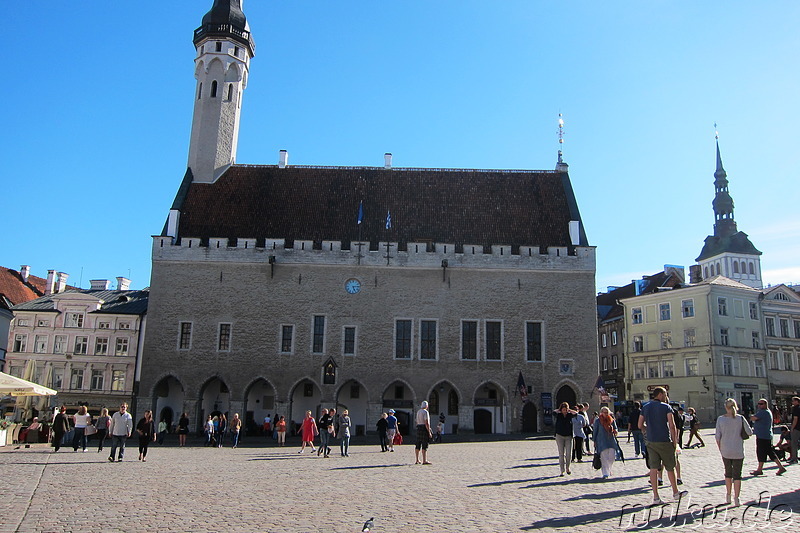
(658, 423)
(391, 429)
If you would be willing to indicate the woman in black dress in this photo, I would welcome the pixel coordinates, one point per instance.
(147, 433)
(183, 428)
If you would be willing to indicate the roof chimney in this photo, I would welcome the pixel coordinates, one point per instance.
(98, 285)
(25, 271)
(283, 159)
(387, 161)
(575, 232)
(123, 283)
(51, 279)
(61, 283)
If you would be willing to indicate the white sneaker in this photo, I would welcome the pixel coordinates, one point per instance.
(736, 502)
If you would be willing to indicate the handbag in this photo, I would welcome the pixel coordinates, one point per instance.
(90, 430)
(398, 439)
(596, 462)
(744, 434)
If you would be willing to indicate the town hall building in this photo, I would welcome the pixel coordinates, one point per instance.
(280, 288)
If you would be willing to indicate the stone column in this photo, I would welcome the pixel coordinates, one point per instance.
(466, 418)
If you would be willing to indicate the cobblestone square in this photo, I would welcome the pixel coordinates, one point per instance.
(471, 486)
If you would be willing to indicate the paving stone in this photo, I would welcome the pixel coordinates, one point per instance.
(471, 486)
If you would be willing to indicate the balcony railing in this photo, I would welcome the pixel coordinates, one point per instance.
(206, 29)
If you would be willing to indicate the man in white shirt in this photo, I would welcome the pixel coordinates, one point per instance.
(120, 429)
(424, 433)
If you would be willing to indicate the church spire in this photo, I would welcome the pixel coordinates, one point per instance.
(724, 224)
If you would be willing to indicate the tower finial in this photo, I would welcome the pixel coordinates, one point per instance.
(560, 139)
(716, 132)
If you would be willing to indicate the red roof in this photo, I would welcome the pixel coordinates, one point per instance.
(18, 291)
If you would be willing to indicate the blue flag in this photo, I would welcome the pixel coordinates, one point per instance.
(388, 220)
(360, 211)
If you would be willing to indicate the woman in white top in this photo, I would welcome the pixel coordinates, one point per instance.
(82, 419)
(731, 447)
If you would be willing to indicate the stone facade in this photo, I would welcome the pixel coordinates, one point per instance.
(209, 286)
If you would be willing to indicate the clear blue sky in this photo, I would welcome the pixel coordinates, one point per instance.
(97, 107)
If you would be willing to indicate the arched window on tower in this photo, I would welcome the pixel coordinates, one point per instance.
(752, 268)
(705, 273)
(230, 92)
(736, 267)
(214, 89)
(744, 267)
(200, 91)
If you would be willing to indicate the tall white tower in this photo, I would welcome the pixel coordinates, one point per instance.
(224, 49)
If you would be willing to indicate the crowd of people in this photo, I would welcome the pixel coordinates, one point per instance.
(655, 427)
(657, 431)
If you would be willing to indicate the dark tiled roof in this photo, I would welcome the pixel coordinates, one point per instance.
(117, 302)
(482, 207)
(738, 243)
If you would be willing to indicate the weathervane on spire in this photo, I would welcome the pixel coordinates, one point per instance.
(716, 132)
(560, 136)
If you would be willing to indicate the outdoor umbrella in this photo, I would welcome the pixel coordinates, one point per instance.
(20, 387)
(30, 371)
(44, 401)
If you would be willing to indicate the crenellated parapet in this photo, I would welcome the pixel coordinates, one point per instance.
(417, 255)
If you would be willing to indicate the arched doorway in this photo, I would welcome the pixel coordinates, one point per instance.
(306, 396)
(353, 396)
(483, 421)
(443, 405)
(489, 399)
(529, 418)
(400, 397)
(566, 394)
(259, 402)
(214, 399)
(168, 399)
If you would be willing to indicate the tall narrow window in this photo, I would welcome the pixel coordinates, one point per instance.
(81, 344)
(754, 310)
(723, 336)
(756, 340)
(230, 92)
(427, 339)
(224, 340)
(118, 380)
(60, 344)
(20, 342)
(638, 343)
(636, 315)
(722, 306)
(40, 345)
(603, 340)
(494, 341)
(76, 381)
(97, 380)
(319, 334)
(614, 338)
(469, 340)
(185, 339)
(402, 339)
(770, 325)
(666, 340)
(287, 333)
(214, 89)
(687, 307)
(533, 341)
(664, 311)
(101, 346)
(200, 91)
(349, 341)
(218, 46)
(122, 346)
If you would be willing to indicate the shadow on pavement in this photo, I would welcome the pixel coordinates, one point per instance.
(369, 466)
(508, 482)
(572, 521)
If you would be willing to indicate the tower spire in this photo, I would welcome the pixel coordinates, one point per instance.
(724, 224)
(224, 49)
(561, 165)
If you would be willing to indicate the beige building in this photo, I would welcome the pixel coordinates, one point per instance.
(704, 342)
(83, 343)
(781, 308)
(278, 289)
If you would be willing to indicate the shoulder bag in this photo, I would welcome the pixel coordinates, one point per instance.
(744, 434)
